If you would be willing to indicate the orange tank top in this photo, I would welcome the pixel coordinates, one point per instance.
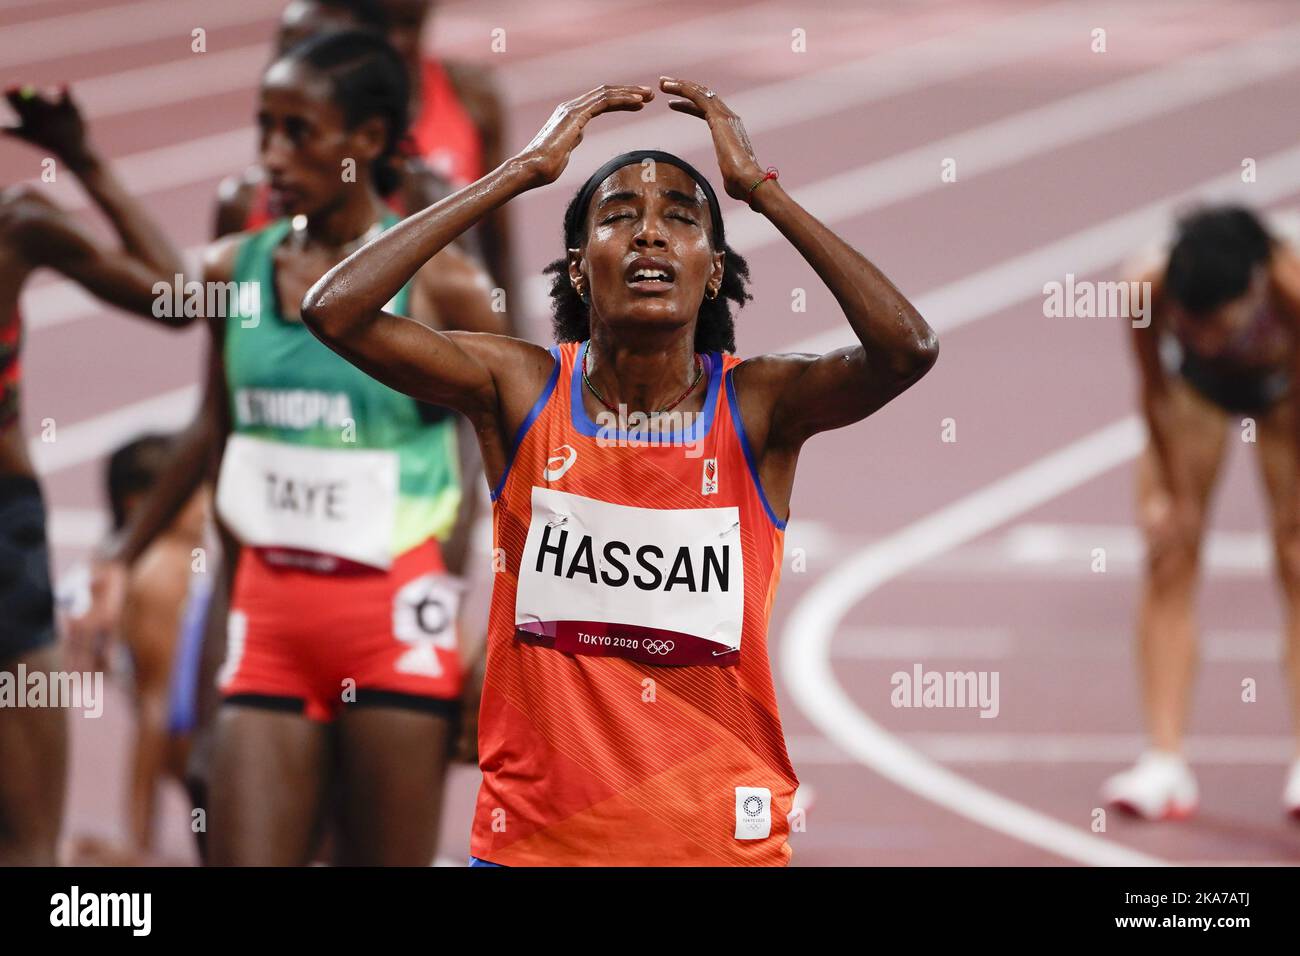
(628, 715)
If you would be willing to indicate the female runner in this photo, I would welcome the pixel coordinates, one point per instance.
(342, 663)
(628, 713)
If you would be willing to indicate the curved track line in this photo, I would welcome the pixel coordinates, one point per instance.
(806, 643)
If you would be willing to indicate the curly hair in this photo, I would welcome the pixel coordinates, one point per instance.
(715, 329)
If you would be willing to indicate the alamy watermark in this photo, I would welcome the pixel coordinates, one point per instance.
(210, 300)
(1084, 299)
(624, 429)
(133, 911)
(83, 690)
(946, 689)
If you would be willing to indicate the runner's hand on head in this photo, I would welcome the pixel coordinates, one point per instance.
(731, 143)
(48, 121)
(548, 153)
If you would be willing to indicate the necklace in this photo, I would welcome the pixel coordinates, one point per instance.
(699, 373)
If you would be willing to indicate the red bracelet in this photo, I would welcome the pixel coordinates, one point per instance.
(770, 174)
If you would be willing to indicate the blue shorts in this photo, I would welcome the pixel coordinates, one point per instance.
(475, 861)
(182, 706)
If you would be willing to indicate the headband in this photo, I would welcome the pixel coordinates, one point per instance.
(578, 211)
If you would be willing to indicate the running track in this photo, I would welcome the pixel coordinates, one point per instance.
(965, 555)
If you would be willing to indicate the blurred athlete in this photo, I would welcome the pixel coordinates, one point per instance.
(249, 203)
(166, 604)
(457, 127)
(35, 233)
(342, 665)
(1220, 347)
(161, 629)
(246, 202)
(628, 711)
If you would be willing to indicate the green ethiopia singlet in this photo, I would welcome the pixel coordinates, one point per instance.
(287, 387)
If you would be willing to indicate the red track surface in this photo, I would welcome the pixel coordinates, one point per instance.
(1019, 386)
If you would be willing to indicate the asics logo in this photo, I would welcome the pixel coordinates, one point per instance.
(559, 463)
(658, 647)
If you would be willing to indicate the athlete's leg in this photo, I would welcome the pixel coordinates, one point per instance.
(150, 627)
(198, 769)
(268, 773)
(33, 740)
(1278, 464)
(1166, 629)
(392, 765)
(33, 763)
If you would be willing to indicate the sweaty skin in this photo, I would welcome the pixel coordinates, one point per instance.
(270, 769)
(642, 333)
(642, 344)
(35, 234)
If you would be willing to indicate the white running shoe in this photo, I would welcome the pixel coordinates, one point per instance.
(1159, 787)
(1291, 793)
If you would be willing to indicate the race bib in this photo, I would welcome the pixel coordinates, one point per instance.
(655, 585)
(424, 616)
(329, 501)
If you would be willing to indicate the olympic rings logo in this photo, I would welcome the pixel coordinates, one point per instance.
(658, 647)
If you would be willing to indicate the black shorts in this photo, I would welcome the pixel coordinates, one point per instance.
(1236, 392)
(26, 596)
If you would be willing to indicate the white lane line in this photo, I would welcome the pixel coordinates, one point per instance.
(848, 86)
(176, 81)
(905, 67)
(984, 293)
(1042, 129)
(1021, 278)
(845, 86)
(238, 69)
(467, 29)
(1005, 142)
(949, 307)
(1057, 748)
(962, 644)
(18, 4)
(545, 76)
(977, 748)
(918, 643)
(841, 87)
(680, 41)
(168, 167)
(1066, 551)
(1069, 547)
(70, 34)
(79, 442)
(80, 528)
(805, 649)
